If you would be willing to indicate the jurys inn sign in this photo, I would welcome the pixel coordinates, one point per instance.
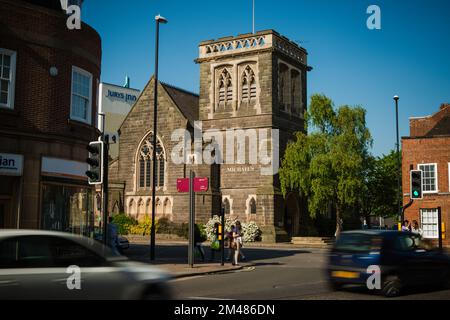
(11, 164)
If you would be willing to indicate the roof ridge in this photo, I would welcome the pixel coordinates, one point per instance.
(179, 89)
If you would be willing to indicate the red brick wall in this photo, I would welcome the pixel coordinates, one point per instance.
(428, 150)
(419, 127)
(41, 39)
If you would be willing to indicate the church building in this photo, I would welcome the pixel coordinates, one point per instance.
(249, 84)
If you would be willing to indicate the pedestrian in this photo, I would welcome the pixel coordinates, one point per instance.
(416, 228)
(113, 236)
(237, 242)
(230, 243)
(198, 241)
(215, 243)
(406, 226)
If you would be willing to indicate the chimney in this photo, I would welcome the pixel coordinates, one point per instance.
(444, 106)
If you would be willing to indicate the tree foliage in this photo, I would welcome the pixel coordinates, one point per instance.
(328, 165)
(380, 194)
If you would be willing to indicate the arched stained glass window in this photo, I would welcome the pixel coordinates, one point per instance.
(145, 168)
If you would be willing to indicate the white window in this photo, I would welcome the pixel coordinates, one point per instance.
(429, 221)
(429, 177)
(7, 78)
(81, 104)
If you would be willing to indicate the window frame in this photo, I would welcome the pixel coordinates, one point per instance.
(12, 80)
(436, 182)
(89, 111)
(424, 235)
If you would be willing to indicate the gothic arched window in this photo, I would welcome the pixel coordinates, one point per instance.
(226, 206)
(296, 94)
(145, 166)
(248, 82)
(225, 86)
(284, 90)
(252, 206)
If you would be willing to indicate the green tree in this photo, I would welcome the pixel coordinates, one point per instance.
(381, 195)
(328, 165)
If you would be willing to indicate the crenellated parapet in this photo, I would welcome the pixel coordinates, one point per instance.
(250, 42)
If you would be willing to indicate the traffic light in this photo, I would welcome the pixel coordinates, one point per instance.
(95, 162)
(416, 184)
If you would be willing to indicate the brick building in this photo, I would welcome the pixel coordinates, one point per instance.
(428, 149)
(48, 111)
(252, 82)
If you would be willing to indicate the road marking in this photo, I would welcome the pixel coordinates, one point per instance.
(207, 298)
(186, 278)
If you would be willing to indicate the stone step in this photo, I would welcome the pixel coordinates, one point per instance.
(313, 242)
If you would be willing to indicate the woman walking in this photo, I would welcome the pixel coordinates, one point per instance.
(237, 242)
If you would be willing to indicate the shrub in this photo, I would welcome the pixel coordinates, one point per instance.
(143, 227)
(250, 230)
(124, 223)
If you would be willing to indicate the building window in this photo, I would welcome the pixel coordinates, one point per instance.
(429, 221)
(252, 206)
(7, 78)
(225, 86)
(81, 106)
(296, 94)
(248, 93)
(284, 90)
(67, 208)
(429, 177)
(226, 206)
(145, 164)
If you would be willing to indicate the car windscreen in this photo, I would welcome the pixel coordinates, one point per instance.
(358, 242)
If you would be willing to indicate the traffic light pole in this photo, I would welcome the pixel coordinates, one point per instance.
(105, 188)
(222, 240)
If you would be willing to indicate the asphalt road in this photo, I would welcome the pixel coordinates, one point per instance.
(278, 274)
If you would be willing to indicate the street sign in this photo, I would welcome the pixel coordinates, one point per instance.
(183, 185)
(200, 184)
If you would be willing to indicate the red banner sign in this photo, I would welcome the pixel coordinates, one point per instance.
(200, 184)
(183, 185)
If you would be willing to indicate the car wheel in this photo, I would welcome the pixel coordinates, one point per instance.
(156, 293)
(391, 287)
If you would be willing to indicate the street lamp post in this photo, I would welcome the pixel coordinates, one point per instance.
(400, 211)
(159, 19)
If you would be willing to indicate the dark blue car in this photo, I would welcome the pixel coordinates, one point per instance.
(401, 258)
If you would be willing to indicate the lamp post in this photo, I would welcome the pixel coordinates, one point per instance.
(159, 19)
(400, 211)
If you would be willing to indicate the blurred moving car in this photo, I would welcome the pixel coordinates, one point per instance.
(34, 265)
(401, 256)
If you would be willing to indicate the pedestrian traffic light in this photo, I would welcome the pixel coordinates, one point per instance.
(416, 184)
(95, 163)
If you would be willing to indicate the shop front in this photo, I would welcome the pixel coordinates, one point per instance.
(11, 170)
(67, 201)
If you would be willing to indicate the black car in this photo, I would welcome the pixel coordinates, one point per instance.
(401, 257)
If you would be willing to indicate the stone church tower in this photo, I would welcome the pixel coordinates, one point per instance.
(255, 83)
(252, 100)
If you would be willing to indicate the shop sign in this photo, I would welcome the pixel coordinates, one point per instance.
(11, 164)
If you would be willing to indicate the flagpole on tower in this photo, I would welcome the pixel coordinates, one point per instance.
(253, 16)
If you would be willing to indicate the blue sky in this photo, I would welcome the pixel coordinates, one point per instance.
(409, 56)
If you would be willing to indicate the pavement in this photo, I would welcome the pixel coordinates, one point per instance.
(172, 257)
